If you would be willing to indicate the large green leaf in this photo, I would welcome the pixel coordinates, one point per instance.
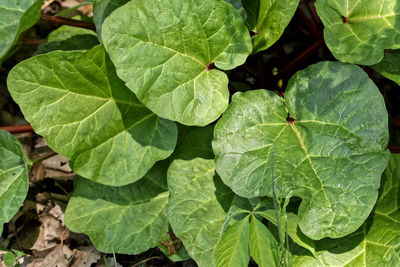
(233, 248)
(14, 181)
(359, 31)
(194, 212)
(103, 8)
(268, 19)
(68, 38)
(128, 219)
(163, 50)
(263, 246)
(377, 242)
(16, 17)
(390, 65)
(77, 102)
(330, 151)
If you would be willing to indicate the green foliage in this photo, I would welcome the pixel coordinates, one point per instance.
(322, 136)
(358, 31)
(273, 180)
(114, 140)
(16, 17)
(14, 183)
(166, 63)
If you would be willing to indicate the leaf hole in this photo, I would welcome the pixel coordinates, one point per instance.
(290, 119)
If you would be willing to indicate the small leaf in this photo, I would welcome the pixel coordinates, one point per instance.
(390, 66)
(359, 31)
(164, 50)
(194, 212)
(76, 101)
(9, 259)
(14, 181)
(129, 219)
(329, 139)
(233, 248)
(268, 19)
(101, 10)
(68, 38)
(376, 243)
(16, 17)
(263, 246)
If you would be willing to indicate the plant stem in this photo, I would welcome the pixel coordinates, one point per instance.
(308, 52)
(44, 157)
(27, 128)
(70, 22)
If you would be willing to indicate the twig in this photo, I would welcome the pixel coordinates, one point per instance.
(70, 22)
(27, 128)
(44, 157)
(32, 41)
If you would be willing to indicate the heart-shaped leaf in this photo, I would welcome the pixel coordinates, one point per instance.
(128, 219)
(164, 50)
(233, 248)
(376, 243)
(15, 18)
(14, 181)
(359, 31)
(194, 212)
(390, 66)
(86, 113)
(268, 19)
(68, 38)
(328, 139)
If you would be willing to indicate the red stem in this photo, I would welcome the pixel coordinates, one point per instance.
(310, 24)
(299, 59)
(70, 22)
(27, 128)
(394, 149)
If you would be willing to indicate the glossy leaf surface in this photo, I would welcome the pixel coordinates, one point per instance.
(233, 248)
(268, 19)
(68, 38)
(390, 66)
(358, 31)
(163, 50)
(16, 17)
(330, 151)
(128, 219)
(195, 215)
(377, 242)
(14, 181)
(77, 102)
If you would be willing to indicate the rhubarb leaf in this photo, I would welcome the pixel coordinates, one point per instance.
(76, 101)
(328, 139)
(164, 51)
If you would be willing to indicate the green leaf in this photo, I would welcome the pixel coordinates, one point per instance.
(239, 6)
(194, 142)
(390, 65)
(101, 10)
(14, 181)
(194, 212)
(233, 248)
(331, 152)
(9, 258)
(268, 19)
(358, 31)
(376, 243)
(163, 50)
(128, 219)
(77, 102)
(68, 38)
(263, 246)
(16, 17)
